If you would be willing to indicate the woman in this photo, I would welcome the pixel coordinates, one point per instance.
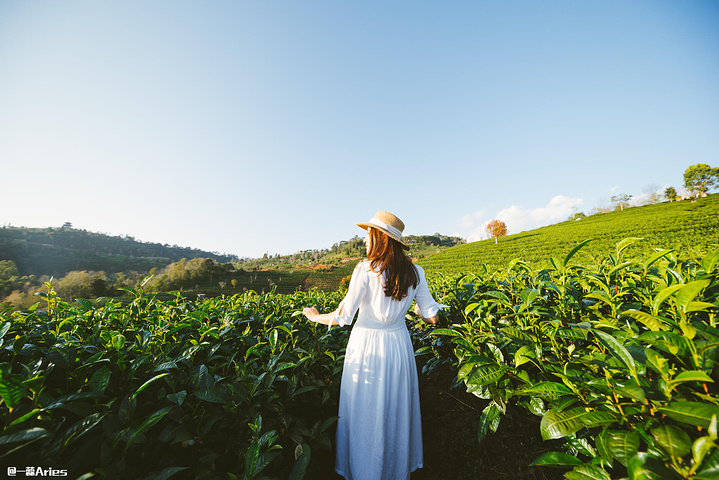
(379, 431)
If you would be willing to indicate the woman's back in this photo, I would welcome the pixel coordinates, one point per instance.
(367, 293)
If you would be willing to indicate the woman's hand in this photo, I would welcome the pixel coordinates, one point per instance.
(324, 318)
(311, 313)
(430, 320)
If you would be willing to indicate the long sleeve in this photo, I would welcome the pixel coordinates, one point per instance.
(351, 303)
(427, 305)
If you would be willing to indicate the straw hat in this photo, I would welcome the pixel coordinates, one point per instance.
(386, 223)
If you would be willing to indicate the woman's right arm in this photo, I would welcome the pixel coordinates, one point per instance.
(348, 307)
(324, 318)
(426, 306)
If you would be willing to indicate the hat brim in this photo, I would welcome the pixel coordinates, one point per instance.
(366, 226)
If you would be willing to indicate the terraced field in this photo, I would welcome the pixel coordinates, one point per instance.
(691, 228)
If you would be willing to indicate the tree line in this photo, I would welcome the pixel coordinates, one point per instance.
(57, 251)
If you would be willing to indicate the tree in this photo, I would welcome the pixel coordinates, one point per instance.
(670, 194)
(620, 201)
(652, 193)
(701, 178)
(496, 228)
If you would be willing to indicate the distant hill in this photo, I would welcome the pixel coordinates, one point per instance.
(56, 251)
(688, 227)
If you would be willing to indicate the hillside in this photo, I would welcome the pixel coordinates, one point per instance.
(687, 227)
(57, 251)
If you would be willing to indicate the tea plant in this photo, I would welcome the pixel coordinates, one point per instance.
(619, 359)
(155, 389)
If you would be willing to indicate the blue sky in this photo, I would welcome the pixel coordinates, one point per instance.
(248, 127)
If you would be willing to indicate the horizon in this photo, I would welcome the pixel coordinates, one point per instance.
(251, 128)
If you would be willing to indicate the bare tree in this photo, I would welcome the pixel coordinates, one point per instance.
(652, 193)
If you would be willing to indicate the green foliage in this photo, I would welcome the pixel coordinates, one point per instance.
(701, 178)
(618, 355)
(191, 389)
(57, 251)
(619, 359)
(10, 278)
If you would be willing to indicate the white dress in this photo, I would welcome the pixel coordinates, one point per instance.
(379, 431)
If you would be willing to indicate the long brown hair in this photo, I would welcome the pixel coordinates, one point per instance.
(387, 254)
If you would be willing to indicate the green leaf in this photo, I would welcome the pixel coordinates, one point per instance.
(657, 363)
(701, 447)
(11, 391)
(118, 341)
(663, 295)
(547, 390)
(87, 304)
(600, 441)
(274, 338)
(445, 331)
(650, 321)
(100, 380)
(617, 349)
(656, 256)
(4, 328)
(709, 261)
(620, 267)
(81, 428)
(177, 398)
(489, 420)
(165, 366)
(147, 383)
(630, 391)
(643, 466)
(626, 243)
(600, 295)
(689, 376)
(707, 474)
(528, 295)
(555, 459)
(689, 291)
(700, 306)
(575, 250)
(712, 462)
(621, 444)
(486, 374)
(556, 424)
(151, 420)
(524, 354)
(596, 419)
(587, 472)
(28, 415)
(673, 440)
(470, 308)
(691, 413)
(302, 461)
(23, 435)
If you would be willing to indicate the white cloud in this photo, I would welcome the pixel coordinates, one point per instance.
(519, 219)
(472, 218)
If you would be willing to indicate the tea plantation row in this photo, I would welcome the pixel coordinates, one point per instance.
(688, 227)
